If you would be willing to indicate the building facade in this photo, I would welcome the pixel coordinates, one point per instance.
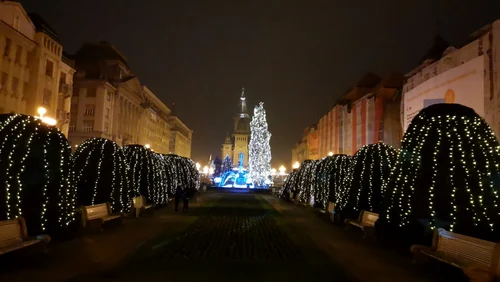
(469, 76)
(366, 114)
(236, 146)
(308, 147)
(110, 102)
(34, 73)
(180, 137)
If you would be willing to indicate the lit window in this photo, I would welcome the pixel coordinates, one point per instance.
(72, 127)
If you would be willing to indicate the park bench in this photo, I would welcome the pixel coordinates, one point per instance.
(479, 259)
(100, 213)
(330, 210)
(140, 204)
(14, 236)
(365, 220)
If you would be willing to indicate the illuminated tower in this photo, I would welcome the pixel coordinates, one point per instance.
(241, 133)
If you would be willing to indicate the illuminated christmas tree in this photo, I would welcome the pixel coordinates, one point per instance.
(363, 186)
(447, 175)
(259, 161)
(227, 164)
(102, 175)
(36, 175)
(329, 177)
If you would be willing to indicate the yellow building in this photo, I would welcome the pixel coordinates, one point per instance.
(33, 70)
(110, 102)
(156, 129)
(180, 137)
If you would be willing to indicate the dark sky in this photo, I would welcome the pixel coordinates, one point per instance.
(295, 56)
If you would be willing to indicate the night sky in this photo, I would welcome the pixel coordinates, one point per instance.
(297, 57)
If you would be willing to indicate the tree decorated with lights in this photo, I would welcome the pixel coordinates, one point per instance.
(227, 164)
(147, 173)
(447, 174)
(259, 161)
(36, 175)
(290, 184)
(329, 177)
(217, 167)
(305, 180)
(102, 175)
(186, 174)
(364, 184)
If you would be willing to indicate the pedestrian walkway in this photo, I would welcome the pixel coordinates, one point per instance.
(226, 237)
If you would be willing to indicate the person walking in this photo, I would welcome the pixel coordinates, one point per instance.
(185, 199)
(178, 196)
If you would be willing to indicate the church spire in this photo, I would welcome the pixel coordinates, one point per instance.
(243, 105)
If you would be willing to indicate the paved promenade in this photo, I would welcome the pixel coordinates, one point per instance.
(224, 237)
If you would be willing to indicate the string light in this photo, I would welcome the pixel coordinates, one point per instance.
(102, 177)
(446, 174)
(328, 178)
(36, 160)
(363, 186)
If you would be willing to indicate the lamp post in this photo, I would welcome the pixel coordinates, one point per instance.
(147, 146)
(330, 154)
(296, 165)
(282, 170)
(47, 120)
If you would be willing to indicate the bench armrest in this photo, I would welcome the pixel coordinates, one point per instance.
(416, 249)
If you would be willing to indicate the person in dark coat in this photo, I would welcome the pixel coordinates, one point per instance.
(185, 198)
(178, 196)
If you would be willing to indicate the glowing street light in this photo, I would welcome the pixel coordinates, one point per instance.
(282, 170)
(205, 169)
(41, 111)
(296, 165)
(273, 171)
(330, 154)
(147, 146)
(198, 165)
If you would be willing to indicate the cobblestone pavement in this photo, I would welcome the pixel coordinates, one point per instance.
(237, 238)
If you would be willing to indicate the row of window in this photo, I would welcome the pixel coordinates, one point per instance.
(88, 126)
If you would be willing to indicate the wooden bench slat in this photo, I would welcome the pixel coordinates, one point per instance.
(462, 251)
(13, 236)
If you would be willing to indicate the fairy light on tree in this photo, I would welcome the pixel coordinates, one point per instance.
(446, 174)
(102, 175)
(305, 180)
(290, 184)
(328, 179)
(259, 162)
(363, 186)
(35, 171)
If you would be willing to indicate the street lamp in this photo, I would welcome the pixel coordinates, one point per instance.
(273, 172)
(198, 165)
(50, 121)
(205, 169)
(296, 165)
(42, 111)
(330, 154)
(147, 146)
(282, 170)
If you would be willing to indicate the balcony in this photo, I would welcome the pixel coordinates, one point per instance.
(62, 117)
(65, 90)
